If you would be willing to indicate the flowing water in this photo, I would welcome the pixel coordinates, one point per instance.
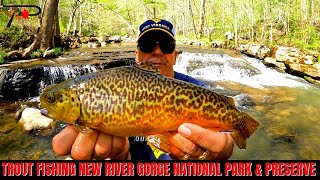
(286, 106)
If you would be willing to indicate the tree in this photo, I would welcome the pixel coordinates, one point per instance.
(74, 8)
(202, 17)
(45, 37)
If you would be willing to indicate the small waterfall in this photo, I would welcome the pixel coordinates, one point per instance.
(26, 83)
(244, 70)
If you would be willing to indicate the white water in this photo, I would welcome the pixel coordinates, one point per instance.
(224, 70)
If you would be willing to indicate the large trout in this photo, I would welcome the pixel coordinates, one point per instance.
(137, 100)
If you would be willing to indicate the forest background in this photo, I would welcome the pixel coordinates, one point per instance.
(293, 23)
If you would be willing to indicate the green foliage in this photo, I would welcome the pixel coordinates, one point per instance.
(37, 53)
(307, 38)
(2, 56)
(314, 39)
(4, 19)
(57, 51)
(121, 17)
(11, 36)
(62, 26)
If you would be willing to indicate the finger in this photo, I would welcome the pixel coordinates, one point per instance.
(83, 146)
(176, 153)
(228, 149)
(125, 154)
(120, 147)
(186, 146)
(213, 141)
(63, 141)
(223, 154)
(102, 149)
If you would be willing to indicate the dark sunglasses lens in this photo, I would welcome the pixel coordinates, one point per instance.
(146, 46)
(167, 47)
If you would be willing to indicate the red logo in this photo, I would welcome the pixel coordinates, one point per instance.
(25, 13)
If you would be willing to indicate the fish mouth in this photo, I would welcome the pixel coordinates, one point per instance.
(45, 113)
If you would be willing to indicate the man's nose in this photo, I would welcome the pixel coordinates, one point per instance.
(157, 49)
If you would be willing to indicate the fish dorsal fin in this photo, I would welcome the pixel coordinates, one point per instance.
(231, 100)
(147, 66)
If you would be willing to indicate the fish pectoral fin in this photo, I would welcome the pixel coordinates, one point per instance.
(83, 129)
(160, 141)
(240, 136)
(239, 139)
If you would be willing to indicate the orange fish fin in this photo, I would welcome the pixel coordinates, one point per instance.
(83, 129)
(240, 136)
(160, 141)
(239, 139)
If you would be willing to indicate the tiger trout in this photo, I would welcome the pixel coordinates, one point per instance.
(137, 100)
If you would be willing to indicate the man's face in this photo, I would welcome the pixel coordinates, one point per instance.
(158, 48)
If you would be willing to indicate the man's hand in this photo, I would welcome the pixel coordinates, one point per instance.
(196, 141)
(97, 145)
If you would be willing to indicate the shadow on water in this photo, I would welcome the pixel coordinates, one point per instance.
(285, 106)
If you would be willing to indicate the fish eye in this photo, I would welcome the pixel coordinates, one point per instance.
(50, 98)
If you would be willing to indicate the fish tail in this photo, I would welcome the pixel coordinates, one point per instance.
(241, 135)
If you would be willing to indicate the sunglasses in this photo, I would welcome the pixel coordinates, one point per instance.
(166, 46)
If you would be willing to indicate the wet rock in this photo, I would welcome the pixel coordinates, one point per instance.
(281, 133)
(25, 79)
(32, 120)
(21, 83)
(18, 114)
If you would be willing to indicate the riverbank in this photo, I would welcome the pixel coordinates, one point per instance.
(294, 61)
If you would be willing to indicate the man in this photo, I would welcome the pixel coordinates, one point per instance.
(156, 44)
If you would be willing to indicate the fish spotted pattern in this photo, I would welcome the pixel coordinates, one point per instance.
(137, 100)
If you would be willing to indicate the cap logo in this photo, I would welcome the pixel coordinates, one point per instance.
(146, 27)
(156, 20)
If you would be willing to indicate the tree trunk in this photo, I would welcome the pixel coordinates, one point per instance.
(235, 24)
(80, 21)
(74, 32)
(44, 38)
(252, 25)
(202, 18)
(192, 19)
(265, 19)
(75, 5)
(71, 19)
(271, 22)
(312, 12)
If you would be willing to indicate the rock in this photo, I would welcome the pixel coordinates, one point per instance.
(19, 84)
(281, 133)
(32, 120)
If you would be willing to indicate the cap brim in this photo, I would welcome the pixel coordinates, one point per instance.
(152, 29)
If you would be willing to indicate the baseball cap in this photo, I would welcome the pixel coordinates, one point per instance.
(157, 24)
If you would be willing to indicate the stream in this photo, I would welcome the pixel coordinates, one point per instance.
(286, 106)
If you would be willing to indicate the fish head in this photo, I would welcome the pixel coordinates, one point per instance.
(61, 103)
